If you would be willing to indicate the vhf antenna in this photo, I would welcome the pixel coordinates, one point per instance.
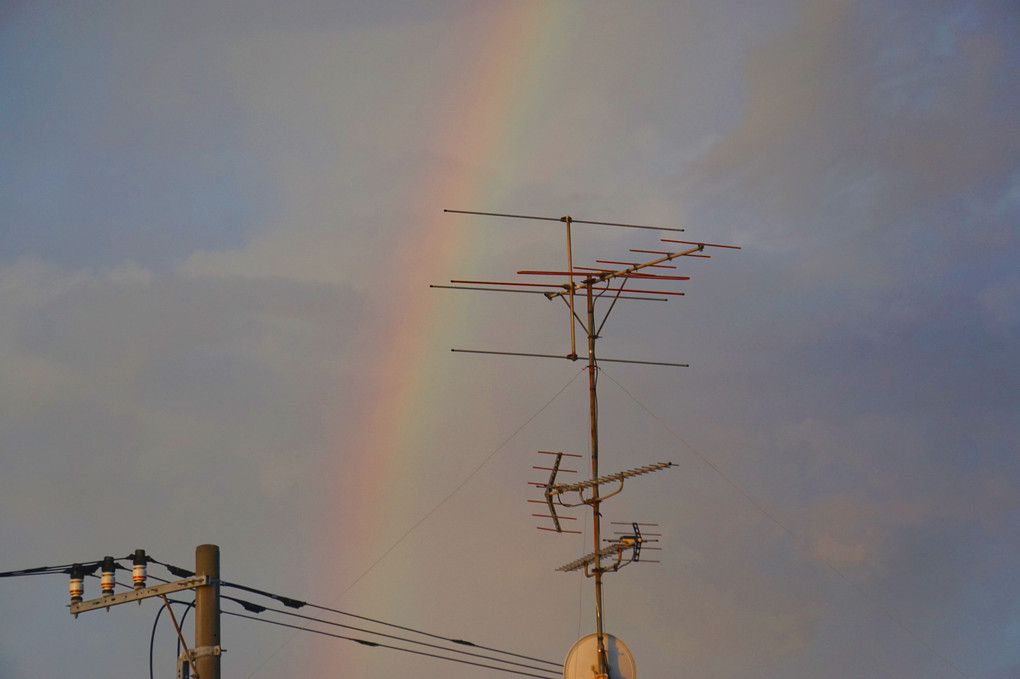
(589, 658)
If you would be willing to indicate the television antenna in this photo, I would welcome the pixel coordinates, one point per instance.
(596, 656)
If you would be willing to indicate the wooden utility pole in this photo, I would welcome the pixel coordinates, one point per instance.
(207, 613)
(204, 658)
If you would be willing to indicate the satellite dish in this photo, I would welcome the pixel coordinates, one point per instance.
(582, 661)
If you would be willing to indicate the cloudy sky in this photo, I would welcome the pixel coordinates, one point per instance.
(219, 222)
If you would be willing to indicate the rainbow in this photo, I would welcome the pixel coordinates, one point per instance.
(494, 99)
(487, 116)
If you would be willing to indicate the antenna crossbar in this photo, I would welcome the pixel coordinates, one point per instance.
(569, 358)
(654, 266)
(553, 295)
(561, 288)
(666, 252)
(589, 558)
(619, 476)
(564, 219)
(707, 245)
(539, 292)
(583, 270)
(572, 287)
(467, 287)
(616, 548)
(548, 516)
(526, 285)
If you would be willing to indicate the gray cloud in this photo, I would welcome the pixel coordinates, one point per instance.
(199, 275)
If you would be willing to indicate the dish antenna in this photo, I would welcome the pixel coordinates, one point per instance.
(583, 659)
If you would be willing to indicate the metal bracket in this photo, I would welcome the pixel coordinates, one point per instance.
(183, 666)
(549, 492)
(205, 651)
(187, 658)
(139, 594)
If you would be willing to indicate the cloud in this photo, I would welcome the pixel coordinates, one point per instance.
(133, 379)
(864, 114)
(187, 337)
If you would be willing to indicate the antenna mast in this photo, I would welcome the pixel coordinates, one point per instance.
(593, 283)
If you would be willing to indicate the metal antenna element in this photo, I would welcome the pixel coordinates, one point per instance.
(611, 282)
(567, 219)
(557, 489)
(626, 548)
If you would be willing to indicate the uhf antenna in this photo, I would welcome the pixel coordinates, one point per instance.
(610, 281)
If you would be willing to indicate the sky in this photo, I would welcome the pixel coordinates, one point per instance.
(220, 222)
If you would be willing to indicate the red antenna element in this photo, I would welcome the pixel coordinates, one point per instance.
(666, 252)
(593, 285)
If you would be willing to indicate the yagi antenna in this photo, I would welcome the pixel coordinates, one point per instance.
(613, 280)
(626, 549)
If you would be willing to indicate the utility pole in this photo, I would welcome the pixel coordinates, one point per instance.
(204, 658)
(596, 500)
(207, 613)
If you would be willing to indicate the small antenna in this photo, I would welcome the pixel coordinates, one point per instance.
(612, 282)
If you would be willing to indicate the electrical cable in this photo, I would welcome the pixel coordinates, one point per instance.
(431, 511)
(152, 637)
(404, 639)
(292, 603)
(152, 640)
(91, 567)
(374, 644)
(87, 568)
(295, 603)
(612, 304)
(581, 581)
(176, 571)
(461, 642)
(286, 601)
(183, 618)
(49, 570)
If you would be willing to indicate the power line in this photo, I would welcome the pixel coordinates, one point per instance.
(88, 570)
(152, 637)
(299, 604)
(374, 644)
(432, 511)
(398, 638)
(291, 602)
(453, 641)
